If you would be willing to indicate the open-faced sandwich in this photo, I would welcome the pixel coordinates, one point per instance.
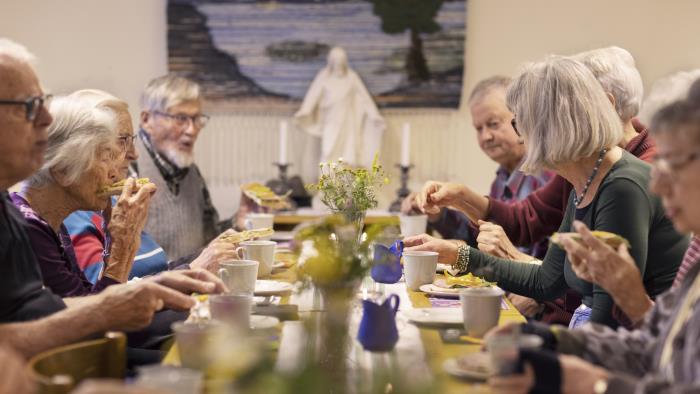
(248, 235)
(264, 196)
(611, 239)
(117, 187)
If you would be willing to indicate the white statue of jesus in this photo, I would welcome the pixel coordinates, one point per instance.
(339, 109)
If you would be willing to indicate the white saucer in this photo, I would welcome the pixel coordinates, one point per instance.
(438, 291)
(453, 367)
(272, 287)
(436, 317)
(258, 322)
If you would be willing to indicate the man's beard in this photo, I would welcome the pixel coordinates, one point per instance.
(180, 159)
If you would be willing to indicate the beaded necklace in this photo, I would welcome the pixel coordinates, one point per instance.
(578, 200)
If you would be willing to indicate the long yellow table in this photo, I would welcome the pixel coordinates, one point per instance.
(436, 351)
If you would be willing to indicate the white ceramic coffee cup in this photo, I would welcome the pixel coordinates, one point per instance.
(231, 309)
(260, 251)
(259, 220)
(419, 268)
(413, 224)
(481, 309)
(239, 276)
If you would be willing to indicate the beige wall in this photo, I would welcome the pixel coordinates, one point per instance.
(119, 45)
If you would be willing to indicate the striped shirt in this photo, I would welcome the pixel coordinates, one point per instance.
(691, 257)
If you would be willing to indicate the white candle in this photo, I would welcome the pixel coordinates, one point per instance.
(283, 142)
(406, 145)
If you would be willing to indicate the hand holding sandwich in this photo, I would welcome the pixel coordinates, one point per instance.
(595, 261)
(128, 217)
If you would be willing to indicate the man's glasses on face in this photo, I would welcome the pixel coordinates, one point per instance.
(182, 120)
(32, 105)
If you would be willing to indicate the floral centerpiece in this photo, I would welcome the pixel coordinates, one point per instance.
(349, 190)
(340, 255)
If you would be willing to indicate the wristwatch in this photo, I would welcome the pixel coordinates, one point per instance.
(600, 386)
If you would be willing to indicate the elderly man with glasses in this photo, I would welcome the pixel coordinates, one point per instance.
(181, 218)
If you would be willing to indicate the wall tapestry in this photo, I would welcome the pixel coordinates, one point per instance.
(264, 54)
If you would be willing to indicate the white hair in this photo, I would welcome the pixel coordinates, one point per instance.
(10, 50)
(665, 91)
(167, 91)
(615, 70)
(562, 112)
(78, 132)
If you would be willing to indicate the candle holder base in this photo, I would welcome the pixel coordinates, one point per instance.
(402, 192)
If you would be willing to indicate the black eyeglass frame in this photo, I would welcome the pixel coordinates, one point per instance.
(32, 105)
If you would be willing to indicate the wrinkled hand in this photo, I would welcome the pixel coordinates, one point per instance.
(492, 239)
(190, 281)
(409, 206)
(596, 262)
(437, 195)
(127, 219)
(579, 376)
(514, 384)
(446, 249)
(13, 375)
(130, 306)
(216, 253)
(526, 306)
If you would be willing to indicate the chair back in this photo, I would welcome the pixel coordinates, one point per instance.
(59, 370)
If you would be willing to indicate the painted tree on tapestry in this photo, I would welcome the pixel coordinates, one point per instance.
(263, 54)
(416, 16)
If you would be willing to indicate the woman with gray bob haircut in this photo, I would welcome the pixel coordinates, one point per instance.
(83, 157)
(557, 131)
(568, 126)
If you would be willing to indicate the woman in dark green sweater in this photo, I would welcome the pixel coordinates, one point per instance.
(568, 126)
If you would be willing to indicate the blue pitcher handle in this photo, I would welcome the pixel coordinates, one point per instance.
(395, 298)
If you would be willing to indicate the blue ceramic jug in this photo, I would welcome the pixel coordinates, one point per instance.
(386, 267)
(378, 331)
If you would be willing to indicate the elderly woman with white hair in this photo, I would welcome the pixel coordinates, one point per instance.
(90, 146)
(82, 158)
(568, 126)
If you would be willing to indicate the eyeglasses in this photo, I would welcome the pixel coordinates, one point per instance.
(182, 120)
(126, 141)
(31, 105)
(670, 166)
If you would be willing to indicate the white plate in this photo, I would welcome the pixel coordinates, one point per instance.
(272, 287)
(453, 367)
(258, 322)
(282, 236)
(436, 317)
(440, 268)
(438, 291)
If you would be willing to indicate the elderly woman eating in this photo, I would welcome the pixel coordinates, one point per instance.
(660, 356)
(569, 127)
(86, 153)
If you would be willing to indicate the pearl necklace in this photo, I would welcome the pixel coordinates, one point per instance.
(578, 200)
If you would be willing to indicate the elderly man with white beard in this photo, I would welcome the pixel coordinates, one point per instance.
(181, 218)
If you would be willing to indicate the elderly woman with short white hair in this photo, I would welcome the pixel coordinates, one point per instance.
(568, 126)
(82, 157)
